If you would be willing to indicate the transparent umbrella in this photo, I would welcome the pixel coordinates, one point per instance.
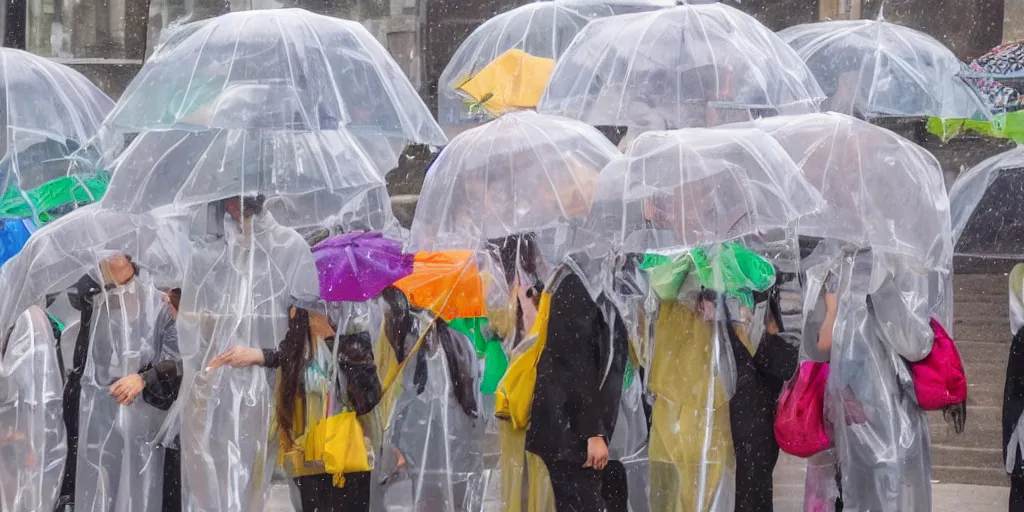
(880, 69)
(279, 69)
(306, 178)
(689, 188)
(882, 191)
(50, 113)
(883, 194)
(985, 206)
(690, 65)
(540, 29)
(521, 173)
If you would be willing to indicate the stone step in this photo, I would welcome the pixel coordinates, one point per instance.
(953, 456)
(969, 475)
(984, 352)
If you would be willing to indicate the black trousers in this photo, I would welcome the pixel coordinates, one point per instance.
(579, 489)
(172, 480)
(318, 493)
(1017, 489)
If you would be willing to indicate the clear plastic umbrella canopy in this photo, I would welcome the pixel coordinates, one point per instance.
(880, 69)
(881, 190)
(306, 178)
(686, 66)
(985, 204)
(521, 173)
(282, 69)
(50, 113)
(541, 29)
(697, 187)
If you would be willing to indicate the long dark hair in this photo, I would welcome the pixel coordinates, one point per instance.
(517, 252)
(398, 320)
(293, 360)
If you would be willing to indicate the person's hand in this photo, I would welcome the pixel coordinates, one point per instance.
(772, 327)
(706, 310)
(238, 357)
(400, 458)
(597, 453)
(853, 411)
(127, 388)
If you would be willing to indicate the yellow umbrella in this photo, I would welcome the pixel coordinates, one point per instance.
(515, 79)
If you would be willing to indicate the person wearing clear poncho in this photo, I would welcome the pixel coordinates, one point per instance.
(307, 358)
(129, 327)
(877, 307)
(434, 432)
(702, 356)
(239, 286)
(33, 440)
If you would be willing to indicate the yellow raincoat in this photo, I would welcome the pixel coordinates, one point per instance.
(691, 451)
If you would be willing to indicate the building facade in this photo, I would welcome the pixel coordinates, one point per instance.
(109, 39)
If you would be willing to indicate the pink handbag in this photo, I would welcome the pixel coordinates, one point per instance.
(939, 379)
(800, 418)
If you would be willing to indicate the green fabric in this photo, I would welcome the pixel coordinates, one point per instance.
(733, 270)
(488, 349)
(56, 322)
(1004, 126)
(627, 375)
(46, 198)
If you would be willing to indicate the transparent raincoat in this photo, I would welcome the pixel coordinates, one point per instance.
(685, 66)
(238, 287)
(276, 69)
(119, 467)
(880, 434)
(540, 29)
(873, 68)
(889, 278)
(683, 199)
(33, 439)
(436, 424)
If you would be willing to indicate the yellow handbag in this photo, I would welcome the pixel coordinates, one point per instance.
(514, 395)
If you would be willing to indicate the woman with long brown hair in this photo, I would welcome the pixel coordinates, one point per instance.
(305, 361)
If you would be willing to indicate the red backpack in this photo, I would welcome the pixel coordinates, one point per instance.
(939, 379)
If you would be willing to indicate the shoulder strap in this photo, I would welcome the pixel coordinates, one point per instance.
(392, 376)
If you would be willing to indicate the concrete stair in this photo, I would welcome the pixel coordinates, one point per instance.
(982, 331)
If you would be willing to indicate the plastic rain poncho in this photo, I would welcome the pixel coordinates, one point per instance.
(692, 65)
(33, 440)
(681, 190)
(119, 468)
(874, 68)
(238, 288)
(880, 434)
(438, 430)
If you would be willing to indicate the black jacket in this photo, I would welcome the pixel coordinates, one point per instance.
(570, 403)
(1013, 393)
